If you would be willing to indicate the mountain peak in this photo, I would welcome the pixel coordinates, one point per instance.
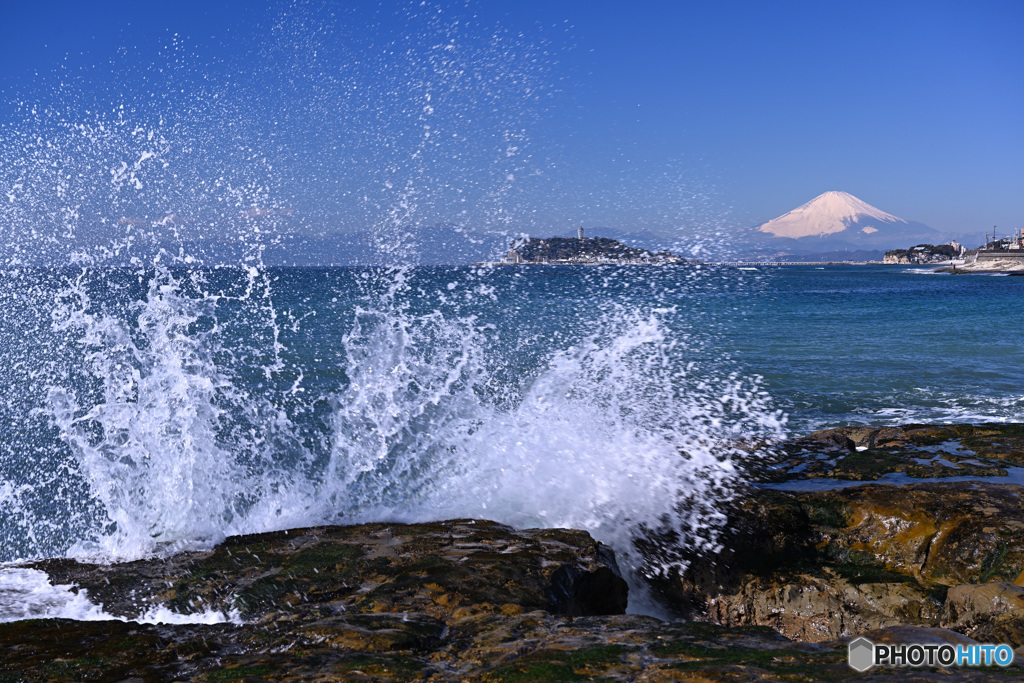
(827, 214)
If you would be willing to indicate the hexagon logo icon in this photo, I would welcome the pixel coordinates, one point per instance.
(862, 654)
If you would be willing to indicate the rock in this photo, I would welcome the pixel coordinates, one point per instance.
(815, 609)
(839, 562)
(832, 437)
(915, 451)
(436, 569)
(938, 533)
(579, 593)
(966, 604)
(534, 646)
(787, 562)
(990, 612)
(449, 601)
(824, 564)
(907, 635)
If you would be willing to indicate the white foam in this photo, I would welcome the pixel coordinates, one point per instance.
(28, 594)
(614, 434)
(171, 444)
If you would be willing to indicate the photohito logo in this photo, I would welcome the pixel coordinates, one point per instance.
(864, 654)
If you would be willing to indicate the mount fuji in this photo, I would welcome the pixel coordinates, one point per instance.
(838, 222)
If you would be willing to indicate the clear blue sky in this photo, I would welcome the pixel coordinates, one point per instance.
(652, 115)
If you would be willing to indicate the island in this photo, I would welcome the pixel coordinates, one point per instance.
(583, 251)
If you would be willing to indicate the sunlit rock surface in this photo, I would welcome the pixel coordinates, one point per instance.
(942, 546)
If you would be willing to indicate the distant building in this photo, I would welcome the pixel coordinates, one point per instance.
(1004, 248)
(512, 256)
(924, 254)
(1017, 240)
(579, 233)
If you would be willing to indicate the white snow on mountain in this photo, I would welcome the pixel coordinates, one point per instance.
(827, 214)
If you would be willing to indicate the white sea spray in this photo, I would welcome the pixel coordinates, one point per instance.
(27, 593)
(153, 403)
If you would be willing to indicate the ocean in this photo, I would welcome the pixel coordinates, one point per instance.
(152, 410)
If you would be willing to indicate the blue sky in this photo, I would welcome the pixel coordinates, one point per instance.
(652, 115)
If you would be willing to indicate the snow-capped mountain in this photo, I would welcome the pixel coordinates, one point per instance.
(828, 214)
(838, 221)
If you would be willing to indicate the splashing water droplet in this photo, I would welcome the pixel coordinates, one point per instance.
(170, 382)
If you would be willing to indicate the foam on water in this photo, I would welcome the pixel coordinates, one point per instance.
(613, 433)
(28, 594)
(153, 404)
(152, 442)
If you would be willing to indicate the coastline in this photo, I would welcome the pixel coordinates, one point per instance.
(799, 575)
(990, 267)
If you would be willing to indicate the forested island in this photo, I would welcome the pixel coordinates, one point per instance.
(584, 251)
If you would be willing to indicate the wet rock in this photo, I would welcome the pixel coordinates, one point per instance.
(799, 571)
(948, 534)
(833, 437)
(843, 561)
(460, 604)
(816, 609)
(824, 564)
(990, 612)
(534, 646)
(465, 566)
(579, 593)
(913, 451)
(908, 635)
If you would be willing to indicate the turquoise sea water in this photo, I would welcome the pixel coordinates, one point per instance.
(834, 346)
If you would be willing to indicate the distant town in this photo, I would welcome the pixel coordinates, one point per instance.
(926, 254)
(1004, 253)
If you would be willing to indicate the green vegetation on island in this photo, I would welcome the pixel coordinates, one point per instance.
(584, 251)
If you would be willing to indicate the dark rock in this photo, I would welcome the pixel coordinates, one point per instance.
(990, 612)
(832, 437)
(820, 565)
(534, 646)
(579, 593)
(918, 451)
(451, 601)
(868, 556)
(442, 568)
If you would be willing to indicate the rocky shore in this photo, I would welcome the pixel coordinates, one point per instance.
(1008, 266)
(903, 534)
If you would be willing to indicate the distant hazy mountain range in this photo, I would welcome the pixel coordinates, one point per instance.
(836, 226)
(832, 226)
